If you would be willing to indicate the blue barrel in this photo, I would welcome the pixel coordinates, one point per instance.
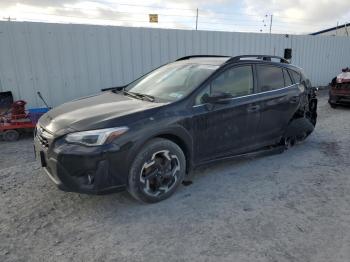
(36, 113)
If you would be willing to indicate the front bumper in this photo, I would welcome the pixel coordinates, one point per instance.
(90, 170)
(339, 98)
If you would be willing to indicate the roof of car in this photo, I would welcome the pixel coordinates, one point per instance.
(209, 60)
(222, 60)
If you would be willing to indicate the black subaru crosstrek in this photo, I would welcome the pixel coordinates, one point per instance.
(145, 137)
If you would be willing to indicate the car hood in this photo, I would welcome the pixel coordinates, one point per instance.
(92, 112)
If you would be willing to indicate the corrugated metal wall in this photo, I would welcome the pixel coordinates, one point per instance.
(65, 61)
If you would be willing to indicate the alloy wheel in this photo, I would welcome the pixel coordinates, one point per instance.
(160, 173)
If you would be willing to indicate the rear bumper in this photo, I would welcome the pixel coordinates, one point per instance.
(75, 168)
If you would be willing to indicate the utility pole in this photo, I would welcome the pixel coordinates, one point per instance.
(271, 24)
(336, 29)
(346, 29)
(197, 20)
(9, 19)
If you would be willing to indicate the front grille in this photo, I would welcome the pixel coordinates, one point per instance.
(43, 141)
(343, 86)
(43, 136)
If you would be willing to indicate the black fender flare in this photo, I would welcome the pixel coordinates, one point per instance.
(177, 134)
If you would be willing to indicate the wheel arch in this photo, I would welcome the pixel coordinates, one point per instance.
(177, 135)
(182, 144)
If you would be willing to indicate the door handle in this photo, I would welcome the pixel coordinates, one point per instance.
(253, 108)
(294, 99)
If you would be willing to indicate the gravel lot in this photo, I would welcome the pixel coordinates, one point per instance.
(293, 206)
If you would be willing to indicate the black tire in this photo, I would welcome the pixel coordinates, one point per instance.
(145, 180)
(333, 105)
(11, 135)
(302, 136)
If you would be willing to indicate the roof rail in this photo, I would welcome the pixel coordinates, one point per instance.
(261, 57)
(198, 56)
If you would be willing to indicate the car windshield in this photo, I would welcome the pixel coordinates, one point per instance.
(172, 82)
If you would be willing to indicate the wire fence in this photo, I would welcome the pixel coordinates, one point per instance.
(125, 14)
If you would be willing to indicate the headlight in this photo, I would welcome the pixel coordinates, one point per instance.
(96, 137)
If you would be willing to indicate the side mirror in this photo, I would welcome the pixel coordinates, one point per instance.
(217, 98)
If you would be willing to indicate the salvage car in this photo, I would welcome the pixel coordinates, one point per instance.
(146, 136)
(339, 93)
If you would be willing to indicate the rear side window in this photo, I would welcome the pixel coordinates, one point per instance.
(287, 79)
(269, 78)
(237, 81)
(296, 76)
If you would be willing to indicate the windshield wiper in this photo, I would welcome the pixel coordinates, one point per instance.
(148, 97)
(139, 95)
(130, 94)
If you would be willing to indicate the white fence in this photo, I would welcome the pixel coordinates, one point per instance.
(65, 61)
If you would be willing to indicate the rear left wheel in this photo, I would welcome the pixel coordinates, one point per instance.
(156, 171)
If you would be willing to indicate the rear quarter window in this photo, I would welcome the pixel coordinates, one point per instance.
(296, 76)
(287, 80)
(269, 77)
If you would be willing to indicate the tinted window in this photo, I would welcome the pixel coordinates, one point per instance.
(296, 76)
(270, 78)
(237, 81)
(287, 79)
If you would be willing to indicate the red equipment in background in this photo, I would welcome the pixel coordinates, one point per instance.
(18, 107)
(18, 120)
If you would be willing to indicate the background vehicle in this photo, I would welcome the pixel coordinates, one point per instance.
(145, 136)
(339, 93)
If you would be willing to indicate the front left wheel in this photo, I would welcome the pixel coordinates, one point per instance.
(157, 170)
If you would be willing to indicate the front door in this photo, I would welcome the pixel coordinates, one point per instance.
(224, 129)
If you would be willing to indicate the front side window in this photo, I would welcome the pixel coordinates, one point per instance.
(237, 81)
(199, 98)
(172, 82)
(269, 77)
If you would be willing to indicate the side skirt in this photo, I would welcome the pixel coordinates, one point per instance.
(259, 153)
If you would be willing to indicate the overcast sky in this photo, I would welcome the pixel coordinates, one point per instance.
(289, 16)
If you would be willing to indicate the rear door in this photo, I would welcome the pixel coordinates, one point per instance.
(279, 99)
(225, 129)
